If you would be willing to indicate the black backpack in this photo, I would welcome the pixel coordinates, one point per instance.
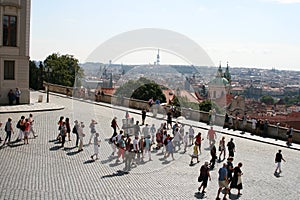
(74, 130)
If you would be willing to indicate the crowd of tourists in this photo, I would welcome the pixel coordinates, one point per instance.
(135, 146)
(23, 129)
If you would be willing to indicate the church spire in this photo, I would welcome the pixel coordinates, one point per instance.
(220, 73)
(157, 58)
(227, 74)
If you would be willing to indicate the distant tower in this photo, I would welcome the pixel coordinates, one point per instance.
(220, 73)
(157, 58)
(227, 74)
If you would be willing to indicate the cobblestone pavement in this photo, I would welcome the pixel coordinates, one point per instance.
(42, 170)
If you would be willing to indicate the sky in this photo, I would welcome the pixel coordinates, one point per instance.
(246, 33)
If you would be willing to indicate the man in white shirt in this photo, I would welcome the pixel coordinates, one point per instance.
(146, 131)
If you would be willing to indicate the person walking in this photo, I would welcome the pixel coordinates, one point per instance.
(191, 135)
(222, 148)
(8, 129)
(203, 177)
(185, 141)
(96, 146)
(63, 133)
(237, 179)
(26, 131)
(278, 159)
(229, 168)
(213, 154)
(147, 149)
(93, 130)
(195, 155)
(144, 112)
(231, 148)
(114, 125)
(152, 132)
(121, 151)
(169, 148)
(223, 182)
(21, 127)
(31, 121)
(75, 131)
(68, 129)
(198, 141)
(59, 123)
(81, 135)
(211, 136)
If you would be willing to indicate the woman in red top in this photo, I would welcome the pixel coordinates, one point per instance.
(198, 140)
(27, 130)
(59, 123)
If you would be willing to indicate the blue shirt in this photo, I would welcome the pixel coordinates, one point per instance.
(222, 174)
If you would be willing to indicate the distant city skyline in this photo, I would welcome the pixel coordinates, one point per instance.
(249, 33)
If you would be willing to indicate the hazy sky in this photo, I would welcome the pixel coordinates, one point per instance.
(247, 33)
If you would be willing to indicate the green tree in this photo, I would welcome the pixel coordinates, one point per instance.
(35, 76)
(205, 106)
(65, 70)
(142, 89)
(267, 99)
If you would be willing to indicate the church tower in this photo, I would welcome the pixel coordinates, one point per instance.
(227, 74)
(157, 58)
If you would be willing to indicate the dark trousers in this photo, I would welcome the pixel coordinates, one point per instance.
(77, 139)
(63, 140)
(17, 100)
(8, 136)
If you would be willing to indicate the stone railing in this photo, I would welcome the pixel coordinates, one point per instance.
(272, 130)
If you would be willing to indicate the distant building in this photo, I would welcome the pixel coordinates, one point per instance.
(14, 48)
(219, 86)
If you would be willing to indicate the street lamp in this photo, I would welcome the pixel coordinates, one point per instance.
(48, 70)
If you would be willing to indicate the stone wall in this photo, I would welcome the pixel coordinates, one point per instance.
(272, 131)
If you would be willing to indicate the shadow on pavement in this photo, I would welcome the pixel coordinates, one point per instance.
(115, 164)
(16, 145)
(69, 148)
(165, 162)
(199, 195)
(54, 140)
(72, 153)
(234, 196)
(55, 148)
(109, 159)
(118, 173)
(88, 161)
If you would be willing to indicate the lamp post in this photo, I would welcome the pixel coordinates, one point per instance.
(48, 70)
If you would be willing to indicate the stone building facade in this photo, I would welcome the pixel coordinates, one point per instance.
(14, 48)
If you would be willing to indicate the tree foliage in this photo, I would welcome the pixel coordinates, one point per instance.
(65, 70)
(267, 99)
(142, 89)
(205, 106)
(35, 76)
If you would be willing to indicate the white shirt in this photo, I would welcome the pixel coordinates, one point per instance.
(191, 132)
(145, 131)
(135, 143)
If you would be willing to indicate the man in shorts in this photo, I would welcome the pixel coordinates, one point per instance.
(223, 181)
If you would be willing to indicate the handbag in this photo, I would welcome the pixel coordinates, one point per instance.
(200, 179)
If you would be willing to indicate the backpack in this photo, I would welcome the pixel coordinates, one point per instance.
(74, 130)
(5, 128)
(18, 124)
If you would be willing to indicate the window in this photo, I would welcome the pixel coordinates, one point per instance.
(9, 70)
(9, 30)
